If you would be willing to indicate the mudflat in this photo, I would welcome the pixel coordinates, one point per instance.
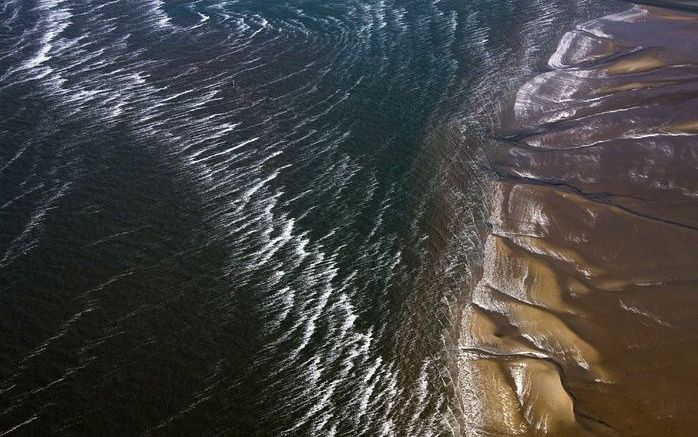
(584, 320)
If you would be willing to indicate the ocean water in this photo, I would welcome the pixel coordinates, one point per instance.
(247, 217)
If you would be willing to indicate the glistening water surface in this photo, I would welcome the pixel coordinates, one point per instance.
(246, 217)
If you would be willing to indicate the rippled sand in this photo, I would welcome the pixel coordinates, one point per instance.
(585, 318)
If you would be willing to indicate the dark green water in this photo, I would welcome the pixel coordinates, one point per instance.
(246, 217)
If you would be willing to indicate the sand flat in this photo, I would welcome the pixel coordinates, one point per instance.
(588, 297)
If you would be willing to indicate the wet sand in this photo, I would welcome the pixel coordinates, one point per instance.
(584, 320)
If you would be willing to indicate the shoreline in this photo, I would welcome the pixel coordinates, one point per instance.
(582, 322)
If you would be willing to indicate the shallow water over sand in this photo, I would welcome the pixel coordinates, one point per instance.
(584, 321)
